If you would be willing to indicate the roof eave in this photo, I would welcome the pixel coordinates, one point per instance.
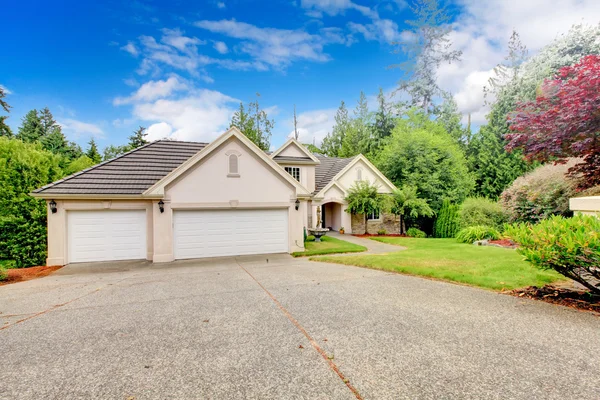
(94, 196)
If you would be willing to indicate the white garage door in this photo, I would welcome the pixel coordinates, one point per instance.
(229, 232)
(106, 235)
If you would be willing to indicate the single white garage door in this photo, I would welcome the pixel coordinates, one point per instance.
(229, 232)
(106, 235)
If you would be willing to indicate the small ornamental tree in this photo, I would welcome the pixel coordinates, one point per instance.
(563, 121)
(363, 198)
(406, 203)
(446, 224)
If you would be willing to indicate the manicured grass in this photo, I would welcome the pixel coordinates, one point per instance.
(328, 245)
(484, 266)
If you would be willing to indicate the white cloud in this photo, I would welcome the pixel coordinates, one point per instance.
(79, 128)
(131, 49)
(153, 90)
(313, 125)
(6, 90)
(221, 47)
(221, 4)
(482, 32)
(272, 46)
(200, 116)
(176, 39)
(160, 130)
(316, 8)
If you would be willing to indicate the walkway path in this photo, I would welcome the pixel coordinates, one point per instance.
(373, 246)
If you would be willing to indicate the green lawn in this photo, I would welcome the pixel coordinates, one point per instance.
(484, 266)
(328, 245)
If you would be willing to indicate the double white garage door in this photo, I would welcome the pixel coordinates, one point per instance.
(121, 235)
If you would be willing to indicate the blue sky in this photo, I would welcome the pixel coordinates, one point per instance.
(180, 68)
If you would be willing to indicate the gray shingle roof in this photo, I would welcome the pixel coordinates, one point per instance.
(130, 173)
(329, 167)
(291, 158)
(134, 172)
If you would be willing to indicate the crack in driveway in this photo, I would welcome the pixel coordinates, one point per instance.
(332, 365)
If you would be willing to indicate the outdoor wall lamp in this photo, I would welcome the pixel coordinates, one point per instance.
(161, 206)
(52, 205)
(297, 204)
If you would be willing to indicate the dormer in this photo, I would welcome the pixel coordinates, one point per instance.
(298, 162)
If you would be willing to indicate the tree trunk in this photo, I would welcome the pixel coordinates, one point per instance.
(401, 224)
(366, 230)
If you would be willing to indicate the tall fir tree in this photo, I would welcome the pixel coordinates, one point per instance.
(138, 138)
(332, 143)
(4, 128)
(357, 137)
(254, 123)
(383, 125)
(30, 130)
(427, 49)
(92, 151)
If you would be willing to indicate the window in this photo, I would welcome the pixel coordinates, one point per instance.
(233, 165)
(294, 172)
(374, 216)
(359, 174)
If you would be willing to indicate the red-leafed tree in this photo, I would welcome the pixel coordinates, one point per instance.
(563, 121)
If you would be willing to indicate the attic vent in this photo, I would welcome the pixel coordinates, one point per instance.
(359, 174)
(233, 164)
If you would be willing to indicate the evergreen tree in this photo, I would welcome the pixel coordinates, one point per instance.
(113, 151)
(4, 128)
(357, 137)
(30, 130)
(446, 224)
(92, 152)
(448, 115)
(254, 123)
(138, 139)
(332, 143)
(428, 48)
(384, 123)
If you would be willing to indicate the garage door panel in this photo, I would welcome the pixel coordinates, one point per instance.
(200, 234)
(106, 235)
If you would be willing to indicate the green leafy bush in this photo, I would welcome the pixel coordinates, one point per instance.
(415, 233)
(476, 211)
(570, 246)
(3, 274)
(23, 168)
(540, 194)
(381, 232)
(310, 238)
(475, 233)
(446, 224)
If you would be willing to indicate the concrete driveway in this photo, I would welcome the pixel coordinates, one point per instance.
(284, 329)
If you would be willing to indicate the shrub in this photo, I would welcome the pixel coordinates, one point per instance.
(23, 168)
(310, 238)
(570, 246)
(415, 233)
(540, 194)
(381, 232)
(481, 211)
(475, 233)
(3, 274)
(446, 224)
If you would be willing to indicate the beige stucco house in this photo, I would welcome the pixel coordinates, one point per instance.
(173, 200)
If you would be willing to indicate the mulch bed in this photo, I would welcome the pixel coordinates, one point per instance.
(374, 234)
(504, 243)
(566, 297)
(25, 274)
